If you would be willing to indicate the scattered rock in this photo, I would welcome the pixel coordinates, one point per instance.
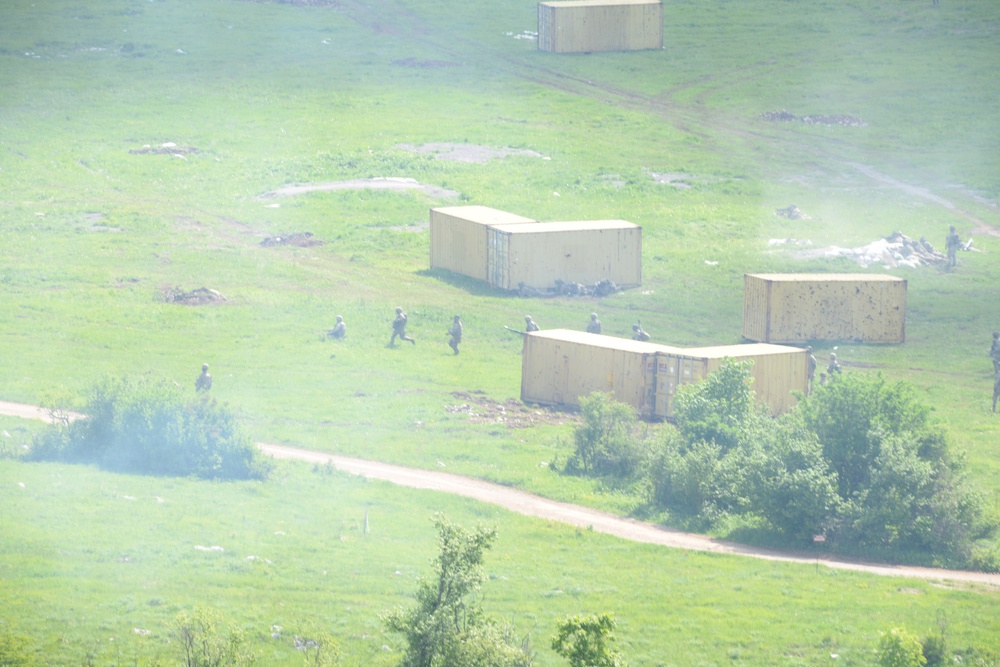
(842, 120)
(196, 297)
(299, 239)
(792, 212)
(466, 152)
(512, 413)
(168, 148)
(896, 249)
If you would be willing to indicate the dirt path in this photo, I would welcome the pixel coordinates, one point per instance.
(574, 515)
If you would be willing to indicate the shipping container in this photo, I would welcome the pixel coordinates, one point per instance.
(459, 239)
(801, 307)
(559, 367)
(582, 26)
(572, 252)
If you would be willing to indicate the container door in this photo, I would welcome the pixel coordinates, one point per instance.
(497, 259)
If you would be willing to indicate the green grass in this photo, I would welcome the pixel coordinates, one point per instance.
(270, 95)
(88, 556)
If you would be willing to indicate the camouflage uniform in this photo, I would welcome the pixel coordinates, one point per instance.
(399, 328)
(595, 324)
(456, 333)
(204, 381)
(529, 324)
(339, 330)
(833, 368)
(951, 244)
(638, 333)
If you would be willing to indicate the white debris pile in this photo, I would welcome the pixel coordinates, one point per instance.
(894, 250)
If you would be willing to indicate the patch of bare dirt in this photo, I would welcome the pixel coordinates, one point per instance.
(378, 183)
(298, 239)
(168, 148)
(424, 64)
(196, 297)
(512, 413)
(472, 153)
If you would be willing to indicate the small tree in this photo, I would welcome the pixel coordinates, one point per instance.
(899, 648)
(206, 643)
(447, 627)
(587, 641)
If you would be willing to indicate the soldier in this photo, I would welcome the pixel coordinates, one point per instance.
(339, 330)
(595, 324)
(456, 333)
(204, 381)
(399, 328)
(833, 368)
(530, 324)
(638, 333)
(951, 244)
(810, 366)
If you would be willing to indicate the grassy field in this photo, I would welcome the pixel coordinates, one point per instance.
(94, 228)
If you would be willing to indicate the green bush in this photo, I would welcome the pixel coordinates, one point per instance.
(899, 648)
(149, 426)
(607, 442)
(14, 650)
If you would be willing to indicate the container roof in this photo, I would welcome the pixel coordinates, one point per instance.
(826, 277)
(629, 345)
(578, 226)
(483, 215)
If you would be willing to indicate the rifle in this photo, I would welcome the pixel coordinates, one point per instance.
(514, 330)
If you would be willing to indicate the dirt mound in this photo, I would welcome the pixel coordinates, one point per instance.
(168, 148)
(512, 413)
(196, 297)
(467, 152)
(842, 120)
(298, 239)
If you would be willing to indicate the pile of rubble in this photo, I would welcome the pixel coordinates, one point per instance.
(300, 239)
(196, 297)
(602, 288)
(892, 251)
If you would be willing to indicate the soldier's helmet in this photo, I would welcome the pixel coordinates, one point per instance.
(204, 367)
(996, 334)
(457, 317)
(952, 228)
(593, 316)
(340, 318)
(635, 327)
(527, 318)
(809, 348)
(833, 355)
(399, 309)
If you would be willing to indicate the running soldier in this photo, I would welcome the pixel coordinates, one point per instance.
(399, 328)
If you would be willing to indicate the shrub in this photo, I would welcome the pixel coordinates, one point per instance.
(147, 426)
(607, 442)
(899, 648)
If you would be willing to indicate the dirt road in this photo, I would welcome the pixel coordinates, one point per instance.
(574, 515)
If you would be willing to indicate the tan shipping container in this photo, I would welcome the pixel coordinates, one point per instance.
(459, 238)
(573, 252)
(801, 307)
(582, 26)
(561, 366)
